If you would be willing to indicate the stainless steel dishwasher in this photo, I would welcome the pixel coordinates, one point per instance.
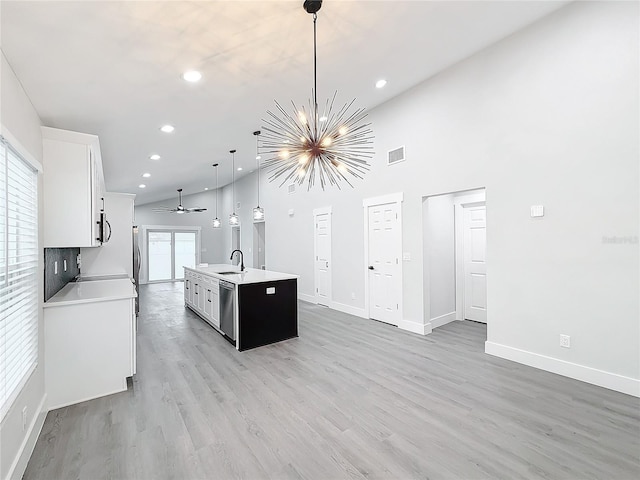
(227, 304)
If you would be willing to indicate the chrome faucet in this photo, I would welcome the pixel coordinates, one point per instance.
(241, 259)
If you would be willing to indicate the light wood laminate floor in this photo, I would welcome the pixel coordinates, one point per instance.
(350, 398)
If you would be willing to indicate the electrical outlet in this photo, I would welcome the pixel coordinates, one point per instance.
(24, 418)
(565, 341)
(55, 267)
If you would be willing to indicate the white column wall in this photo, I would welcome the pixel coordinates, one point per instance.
(547, 116)
(20, 119)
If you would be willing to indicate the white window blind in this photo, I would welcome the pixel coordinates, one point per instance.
(18, 274)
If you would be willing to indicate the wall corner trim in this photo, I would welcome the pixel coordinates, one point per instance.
(351, 310)
(19, 464)
(443, 319)
(307, 298)
(383, 199)
(416, 327)
(612, 381)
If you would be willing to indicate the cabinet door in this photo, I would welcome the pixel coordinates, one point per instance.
(68, 219)
(215, 305)
(201, 295)
(207, 302)
(187, 281)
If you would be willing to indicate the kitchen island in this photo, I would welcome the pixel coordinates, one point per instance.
(251, 308)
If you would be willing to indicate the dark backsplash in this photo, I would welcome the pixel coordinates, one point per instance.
(52, 282)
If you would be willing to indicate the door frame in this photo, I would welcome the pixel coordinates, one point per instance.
(232, 230)
(396, 198)
(144, 255)
(460, 203)
(322, 211)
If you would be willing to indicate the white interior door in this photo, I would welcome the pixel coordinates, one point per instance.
(322, 242)
(475, 266)
(385, 244)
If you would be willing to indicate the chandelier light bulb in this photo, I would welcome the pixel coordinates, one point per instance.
(233, 219)
(215, 223)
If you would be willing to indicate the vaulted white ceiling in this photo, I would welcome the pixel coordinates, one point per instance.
(113, 68)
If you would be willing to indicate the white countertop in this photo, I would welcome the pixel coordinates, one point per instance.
(96, 291)
(250, 275)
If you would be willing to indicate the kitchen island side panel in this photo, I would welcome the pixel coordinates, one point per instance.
(268, 313)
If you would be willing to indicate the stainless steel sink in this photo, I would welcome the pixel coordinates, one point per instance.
(227, 273)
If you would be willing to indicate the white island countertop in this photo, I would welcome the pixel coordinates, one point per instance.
(96, 291)
(250, 275)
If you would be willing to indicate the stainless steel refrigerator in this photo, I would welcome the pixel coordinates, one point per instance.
(137, 257)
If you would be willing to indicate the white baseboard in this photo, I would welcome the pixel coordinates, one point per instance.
(19, 465)
(612, 381)
(443, 319)
(307, 298)
(415, 327)
(351, 310)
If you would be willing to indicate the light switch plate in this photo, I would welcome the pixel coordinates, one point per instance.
(537, 210)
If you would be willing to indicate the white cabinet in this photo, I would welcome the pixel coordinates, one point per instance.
(201, 295)
(90, 343)
(73, 187)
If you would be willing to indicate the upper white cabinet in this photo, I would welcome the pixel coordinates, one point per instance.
(73, 185)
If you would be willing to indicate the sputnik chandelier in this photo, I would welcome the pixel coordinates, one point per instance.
(307, 144)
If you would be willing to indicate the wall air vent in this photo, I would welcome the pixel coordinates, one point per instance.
(292, 188)
(395, 156)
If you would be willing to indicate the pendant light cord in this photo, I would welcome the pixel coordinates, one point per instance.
(315, 65)
(217, 191)
(258, 159)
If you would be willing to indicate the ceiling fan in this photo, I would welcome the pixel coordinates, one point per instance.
(179, 208)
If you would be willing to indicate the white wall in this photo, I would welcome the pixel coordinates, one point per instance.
(439, 255)
(547, 116)
(20, 121)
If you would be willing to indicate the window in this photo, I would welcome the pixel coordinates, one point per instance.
(18, 273)
(169, 249)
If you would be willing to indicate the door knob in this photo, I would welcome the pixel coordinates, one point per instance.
(370, 267)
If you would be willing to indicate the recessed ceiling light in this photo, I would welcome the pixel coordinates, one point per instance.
(167, 128)
(258, 157)
(323, 119)
(206, 188)
(155, 156)
(239, 169)
(142, 185)
(146, 175)
(381, 83)
(192, 76)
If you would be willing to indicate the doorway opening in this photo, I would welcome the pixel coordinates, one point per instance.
(258, 246)
(454, 256)
(168, 250)
(235, 243)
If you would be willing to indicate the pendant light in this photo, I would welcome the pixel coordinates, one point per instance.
(216, 221)
(233, 218)
(306, 144)
(258, 212)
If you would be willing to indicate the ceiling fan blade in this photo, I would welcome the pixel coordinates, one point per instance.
(195, 209)
(162, 209)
